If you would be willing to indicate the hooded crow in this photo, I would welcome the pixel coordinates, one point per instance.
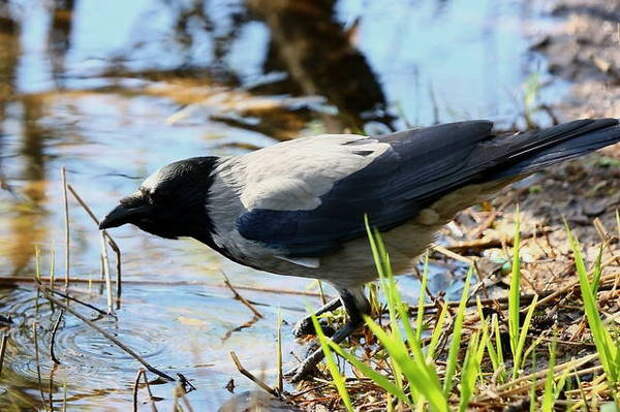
(297, 208)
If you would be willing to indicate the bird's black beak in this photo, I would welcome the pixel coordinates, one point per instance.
(123, 214)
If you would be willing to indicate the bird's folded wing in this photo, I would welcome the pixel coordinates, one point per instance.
(308, 196)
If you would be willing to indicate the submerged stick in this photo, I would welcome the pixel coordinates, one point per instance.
(110, 337)
(251, 377)
(63, 176)
(109, 239)
(241, 298)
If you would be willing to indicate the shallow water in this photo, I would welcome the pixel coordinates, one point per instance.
(113, 93)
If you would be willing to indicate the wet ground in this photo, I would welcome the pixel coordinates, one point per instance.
(113, 93)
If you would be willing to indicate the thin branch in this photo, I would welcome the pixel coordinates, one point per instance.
(251, 377)
(241, 298)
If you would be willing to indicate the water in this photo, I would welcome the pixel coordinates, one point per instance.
(113, 93)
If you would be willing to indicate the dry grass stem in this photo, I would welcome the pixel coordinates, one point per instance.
(240, 298)
(106, 273)
(109, 239)
(251, 377)
(63, 176)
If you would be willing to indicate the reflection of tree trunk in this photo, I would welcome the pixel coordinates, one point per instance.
(60, 35)
(27, 229)
(9, 53)
(319, 57)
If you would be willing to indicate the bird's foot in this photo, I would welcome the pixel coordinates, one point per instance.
(306, 327)
(307, 368)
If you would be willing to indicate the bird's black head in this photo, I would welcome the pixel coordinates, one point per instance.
(169, 203)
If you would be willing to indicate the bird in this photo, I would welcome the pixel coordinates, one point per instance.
(298, 207)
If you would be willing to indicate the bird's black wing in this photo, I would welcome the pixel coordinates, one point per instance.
(419, 168)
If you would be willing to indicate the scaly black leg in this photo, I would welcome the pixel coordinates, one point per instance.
(356, 305)
(305, 326)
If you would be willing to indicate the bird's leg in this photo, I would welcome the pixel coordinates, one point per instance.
(305, 326)
(356, 305)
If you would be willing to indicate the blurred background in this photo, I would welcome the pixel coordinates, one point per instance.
(113, 90)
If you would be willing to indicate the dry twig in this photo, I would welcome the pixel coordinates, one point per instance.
(241, 298)
(251, 377)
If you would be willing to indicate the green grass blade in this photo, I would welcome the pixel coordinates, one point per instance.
(514, 295)
(422, 300)
(338, 379)
(605, 346)
(598, 270)
(370, 373)
(455, 345)
(549, 394)
(522, 336)
(388, 285)
(373, 248)
(493, 356)
(498, 338)
(471, 369)
(437, 331)
(419, 375)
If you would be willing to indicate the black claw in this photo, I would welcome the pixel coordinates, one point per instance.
(311, 348)
(305, 327)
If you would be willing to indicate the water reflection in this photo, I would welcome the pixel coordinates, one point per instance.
(320, 59)
(60, 36)
(114, 92)
(26, 223)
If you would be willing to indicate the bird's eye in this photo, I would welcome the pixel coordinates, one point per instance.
(159, 195)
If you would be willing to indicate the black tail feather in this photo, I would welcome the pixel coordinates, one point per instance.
(531, 152)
